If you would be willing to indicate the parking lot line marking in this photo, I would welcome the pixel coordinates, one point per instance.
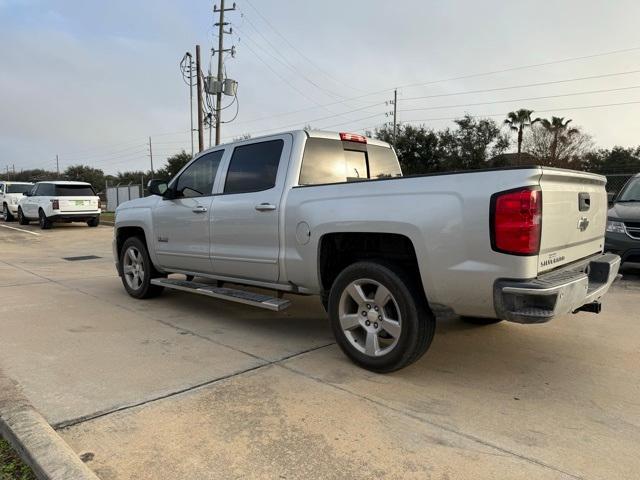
(21, 230)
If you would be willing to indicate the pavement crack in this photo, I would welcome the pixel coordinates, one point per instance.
(426, 421)
(102, 413)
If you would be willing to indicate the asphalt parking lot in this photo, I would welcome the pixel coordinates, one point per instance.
(189, 387)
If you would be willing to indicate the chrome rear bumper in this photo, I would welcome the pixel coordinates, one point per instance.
(556, 293)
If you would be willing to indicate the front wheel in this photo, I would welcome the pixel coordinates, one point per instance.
(22, 220)
(45, 223)
(137, 269)
(380, 317)
(6, 213)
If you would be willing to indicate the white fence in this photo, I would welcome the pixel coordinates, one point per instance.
(120, 194)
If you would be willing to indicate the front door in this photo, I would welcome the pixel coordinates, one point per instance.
(30, 205)
(245, 235)
(182, 224)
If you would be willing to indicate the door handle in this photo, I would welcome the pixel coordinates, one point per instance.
(265, 207)
(199, 209)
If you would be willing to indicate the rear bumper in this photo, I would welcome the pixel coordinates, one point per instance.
(13, 209)
(555, 293)
(74, 217)
(622, 244)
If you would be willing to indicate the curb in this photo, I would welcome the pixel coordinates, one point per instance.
(36, 442)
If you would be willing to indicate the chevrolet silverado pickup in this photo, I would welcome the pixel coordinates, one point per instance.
(330, 214)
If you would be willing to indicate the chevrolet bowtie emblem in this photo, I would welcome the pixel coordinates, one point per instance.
(583, 223)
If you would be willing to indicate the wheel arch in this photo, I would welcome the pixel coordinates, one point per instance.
(126, 232)
(338, 250)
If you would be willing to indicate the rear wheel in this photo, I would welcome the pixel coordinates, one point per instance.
(22, 220)
(379, 316)
(6, 213)
(137, 269)
(93, 222)
(45, 223)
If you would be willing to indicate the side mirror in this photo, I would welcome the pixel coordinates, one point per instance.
(157, 187)
(610, 197)
(26, 194)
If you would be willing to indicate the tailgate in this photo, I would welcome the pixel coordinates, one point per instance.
(574, 216)
(78, 204)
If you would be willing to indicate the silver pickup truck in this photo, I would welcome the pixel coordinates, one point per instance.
(330, 214)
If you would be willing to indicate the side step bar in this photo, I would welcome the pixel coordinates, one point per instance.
(231, 294)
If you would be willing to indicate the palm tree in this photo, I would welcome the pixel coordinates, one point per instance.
(518, 121)
(559, 129)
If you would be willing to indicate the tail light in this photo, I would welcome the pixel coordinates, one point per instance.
(352, 137)
(55, 204)
(516, 221)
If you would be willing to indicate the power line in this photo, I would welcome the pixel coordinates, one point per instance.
(512, 87)
(526, 85)
(522, 67)
(298, 51)
(589, 92)
(283, 61)
(562, 109)
(285, 80)
(387, 90)
(295, 124)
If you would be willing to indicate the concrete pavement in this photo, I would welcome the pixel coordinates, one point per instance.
(189, 387)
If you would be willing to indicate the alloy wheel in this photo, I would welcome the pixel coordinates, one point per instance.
(370, 317)
(133, 268)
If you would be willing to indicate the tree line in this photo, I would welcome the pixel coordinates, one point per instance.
(97, 177)
(483, 143)
(472, 143)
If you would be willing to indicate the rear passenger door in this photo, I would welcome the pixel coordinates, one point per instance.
(245, 230)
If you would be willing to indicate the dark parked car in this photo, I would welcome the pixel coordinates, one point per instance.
(623, 222)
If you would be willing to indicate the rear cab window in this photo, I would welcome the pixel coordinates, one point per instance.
(336, 161)
(70, 191)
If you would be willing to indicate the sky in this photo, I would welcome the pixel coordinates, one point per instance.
(91, 81)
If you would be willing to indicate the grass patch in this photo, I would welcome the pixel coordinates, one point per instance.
(108, 216)
(11, 467)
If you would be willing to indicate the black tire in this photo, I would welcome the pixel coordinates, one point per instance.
(22, 220)
(480, 320)
(417, 321)
(6, 213)
(93, 222)
(146, 289)
(44, 222)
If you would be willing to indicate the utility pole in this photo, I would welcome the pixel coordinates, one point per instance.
(395, 115)
(57, 165)
(151, 158)
(199, 96)
(191, 98)
(221, 32)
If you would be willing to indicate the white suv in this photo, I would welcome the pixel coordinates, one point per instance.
(59, 201)
(10, 194)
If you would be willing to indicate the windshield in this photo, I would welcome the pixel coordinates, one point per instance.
(631, 192)
(18, 188)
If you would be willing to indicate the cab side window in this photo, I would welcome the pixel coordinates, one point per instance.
(197, 180)
(254, 167)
